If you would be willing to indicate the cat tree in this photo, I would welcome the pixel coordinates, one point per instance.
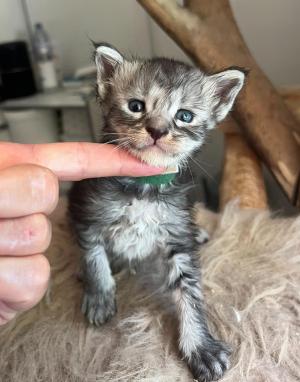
(250, 273)
(262, 127)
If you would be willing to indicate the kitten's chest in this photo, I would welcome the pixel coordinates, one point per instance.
(139, 229)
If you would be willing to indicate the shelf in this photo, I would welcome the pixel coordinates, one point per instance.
(56, 99)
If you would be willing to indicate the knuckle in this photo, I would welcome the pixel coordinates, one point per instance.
(82, 159)
(42, 227)
(41, 273)
(51, 186)
(48, 187)
(37, 286)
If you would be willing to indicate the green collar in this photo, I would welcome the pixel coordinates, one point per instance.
(156, 180)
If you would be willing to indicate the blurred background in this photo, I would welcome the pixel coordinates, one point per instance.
(47, 74)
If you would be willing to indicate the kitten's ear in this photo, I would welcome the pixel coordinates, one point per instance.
(107, 59)
(223, 88)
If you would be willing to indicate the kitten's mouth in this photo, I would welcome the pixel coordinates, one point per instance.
(156, 154)
(155, 147)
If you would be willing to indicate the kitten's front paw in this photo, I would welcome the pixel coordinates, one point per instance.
(202, 236)
(210, 363)
(99, 308)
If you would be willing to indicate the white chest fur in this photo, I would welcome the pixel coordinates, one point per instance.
(139, 229)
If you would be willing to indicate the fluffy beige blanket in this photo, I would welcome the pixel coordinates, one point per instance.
(251, 275)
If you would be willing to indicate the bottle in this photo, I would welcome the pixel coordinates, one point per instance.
(43, 51)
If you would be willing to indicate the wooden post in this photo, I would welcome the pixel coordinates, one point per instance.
(242, 176)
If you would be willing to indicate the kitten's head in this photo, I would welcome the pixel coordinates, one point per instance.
(160, 110)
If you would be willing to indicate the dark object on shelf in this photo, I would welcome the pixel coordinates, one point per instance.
(16, 75)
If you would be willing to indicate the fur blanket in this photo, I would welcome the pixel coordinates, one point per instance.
(251, 277)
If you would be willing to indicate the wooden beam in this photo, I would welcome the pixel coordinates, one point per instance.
(242, 176)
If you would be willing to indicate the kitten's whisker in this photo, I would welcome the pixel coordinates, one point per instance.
(126, 134)
(124, 144)
(113, 140)
(202, 169)
(108, 133)
(204, 162)
(191, 173)
(121, 146)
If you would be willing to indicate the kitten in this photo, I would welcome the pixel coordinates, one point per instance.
(160, 110)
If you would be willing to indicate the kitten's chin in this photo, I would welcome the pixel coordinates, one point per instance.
(155, 156)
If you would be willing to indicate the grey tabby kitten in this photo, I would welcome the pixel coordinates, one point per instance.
(160, 110)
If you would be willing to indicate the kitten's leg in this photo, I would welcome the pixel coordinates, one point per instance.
(99, 303)
(207, 357)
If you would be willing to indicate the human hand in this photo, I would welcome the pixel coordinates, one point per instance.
(29, 176)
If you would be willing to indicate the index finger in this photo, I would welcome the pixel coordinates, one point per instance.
(75, 160)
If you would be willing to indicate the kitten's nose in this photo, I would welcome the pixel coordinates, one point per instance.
(157, 133)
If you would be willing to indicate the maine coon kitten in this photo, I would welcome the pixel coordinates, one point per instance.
(160, 110)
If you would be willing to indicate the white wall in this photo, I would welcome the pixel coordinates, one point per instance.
(72, 22)
(271, 29)
(12, 24)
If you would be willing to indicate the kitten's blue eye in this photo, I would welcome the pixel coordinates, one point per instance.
(184, 115)
(136, 106)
